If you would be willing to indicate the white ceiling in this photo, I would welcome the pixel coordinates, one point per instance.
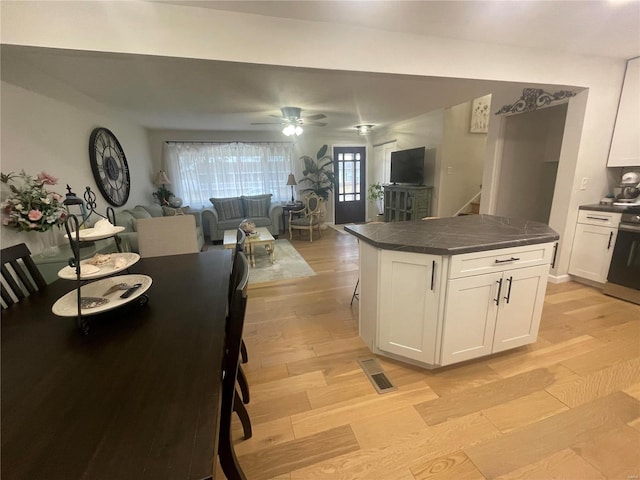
(173, 93)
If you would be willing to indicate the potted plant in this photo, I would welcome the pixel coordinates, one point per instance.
(375, 195)
(318, 174)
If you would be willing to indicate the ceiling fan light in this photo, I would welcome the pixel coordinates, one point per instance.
(364, 129)
(298, 130)
(289, 130)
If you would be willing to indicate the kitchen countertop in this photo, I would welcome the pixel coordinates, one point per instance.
(453, 235)
(597, 207)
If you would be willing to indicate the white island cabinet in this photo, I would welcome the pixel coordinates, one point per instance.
(435, 310)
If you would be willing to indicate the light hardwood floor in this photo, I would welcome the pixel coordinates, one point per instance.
(567, 407)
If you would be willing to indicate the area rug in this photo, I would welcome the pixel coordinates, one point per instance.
(289, 264)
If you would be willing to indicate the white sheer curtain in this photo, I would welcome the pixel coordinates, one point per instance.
(199, 171)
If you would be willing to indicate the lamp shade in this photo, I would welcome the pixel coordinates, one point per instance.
(162, 179)
(291, 180)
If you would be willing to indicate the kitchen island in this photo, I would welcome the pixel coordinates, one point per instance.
(445, 290)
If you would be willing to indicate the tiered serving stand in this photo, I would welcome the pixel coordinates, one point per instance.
(95, 283)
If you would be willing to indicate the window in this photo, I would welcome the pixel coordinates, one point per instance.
(199, 171)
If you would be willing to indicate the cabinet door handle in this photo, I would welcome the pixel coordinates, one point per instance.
(555, 253)
(508, 297)
(512, 259)
(497, 299)
(610, 237)
(433, 275)
(600, 219)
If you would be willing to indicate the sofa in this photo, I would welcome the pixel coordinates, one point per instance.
(128, 218)
(228, 212)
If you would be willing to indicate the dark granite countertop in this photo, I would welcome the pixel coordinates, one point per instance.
(597, 207)
(453, 235)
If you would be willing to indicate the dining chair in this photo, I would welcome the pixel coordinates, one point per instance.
(236, 272)
(20, 275)
(308, 217)
(230, 399)
(161, 236)
(240, 240)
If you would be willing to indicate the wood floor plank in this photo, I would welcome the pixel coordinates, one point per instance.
(455, 465)
(524, 411)
(604, 356)
(357, 386)
(556, 353)
(289, 385)
(485, 396)
(615, 454)
(269, 434)
(379, 431)
(326, 363)
(530, 444)
(413, 449)
(364, 407)
(451, 380)
(285, 406)
(562, 465)
(598, 384)
(284, 458)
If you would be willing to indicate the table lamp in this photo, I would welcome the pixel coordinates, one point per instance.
(291, 181)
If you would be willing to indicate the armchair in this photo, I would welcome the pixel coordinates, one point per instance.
(308, 216)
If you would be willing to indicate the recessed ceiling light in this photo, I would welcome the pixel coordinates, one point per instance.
(364, 129)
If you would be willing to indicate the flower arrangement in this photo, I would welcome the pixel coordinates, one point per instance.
(30, 207)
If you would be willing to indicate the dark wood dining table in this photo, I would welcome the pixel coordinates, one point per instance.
(138, 397)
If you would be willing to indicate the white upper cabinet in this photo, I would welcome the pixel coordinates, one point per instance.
(625, 144)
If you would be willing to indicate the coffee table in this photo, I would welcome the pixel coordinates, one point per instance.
(262, 237)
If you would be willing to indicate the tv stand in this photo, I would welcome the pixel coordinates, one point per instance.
(406, 202)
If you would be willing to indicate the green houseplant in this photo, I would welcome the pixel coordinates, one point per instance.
(318, 174)
(375, 195)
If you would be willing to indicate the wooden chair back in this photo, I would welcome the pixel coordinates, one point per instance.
(234, 328)
(20, 275)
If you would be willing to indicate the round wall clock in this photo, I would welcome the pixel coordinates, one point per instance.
(109, 166)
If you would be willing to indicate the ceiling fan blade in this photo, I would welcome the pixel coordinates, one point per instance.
(317, 116)
(276, 116)
(314, 124)
(266, 123)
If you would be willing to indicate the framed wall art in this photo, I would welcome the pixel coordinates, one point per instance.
(480, 109)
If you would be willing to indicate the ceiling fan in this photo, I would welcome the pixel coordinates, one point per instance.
(293, 122)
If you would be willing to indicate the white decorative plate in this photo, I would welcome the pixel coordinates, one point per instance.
(109, 268)
(90, 234)
(67, 305)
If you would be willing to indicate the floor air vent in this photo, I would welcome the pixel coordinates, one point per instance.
(376, 375)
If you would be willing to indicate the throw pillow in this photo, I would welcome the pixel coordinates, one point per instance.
(154, 209)
(140, 212)
(256, 205)
(227, 208)
(172, 212)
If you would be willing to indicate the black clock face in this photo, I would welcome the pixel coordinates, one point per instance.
(109, 166)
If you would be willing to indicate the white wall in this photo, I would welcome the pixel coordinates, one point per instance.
(422, 131)
(461, 161)
(170, 30)
(41, 133)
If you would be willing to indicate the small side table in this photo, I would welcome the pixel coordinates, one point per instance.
(286, 208)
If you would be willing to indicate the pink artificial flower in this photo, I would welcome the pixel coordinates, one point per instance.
(35, 215)
(47, 179)
(55, 196)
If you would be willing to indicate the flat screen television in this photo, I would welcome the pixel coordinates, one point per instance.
(407, 166)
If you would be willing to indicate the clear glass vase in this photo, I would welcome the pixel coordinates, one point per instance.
(48, 243)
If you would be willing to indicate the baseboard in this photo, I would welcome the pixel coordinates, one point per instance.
(559, 278)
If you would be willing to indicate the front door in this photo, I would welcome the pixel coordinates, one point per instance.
(350, 196)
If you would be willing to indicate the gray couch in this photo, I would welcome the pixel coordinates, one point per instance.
(128, 218)
(227, 213)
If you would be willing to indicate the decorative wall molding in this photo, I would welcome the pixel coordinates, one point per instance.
(534, 98)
